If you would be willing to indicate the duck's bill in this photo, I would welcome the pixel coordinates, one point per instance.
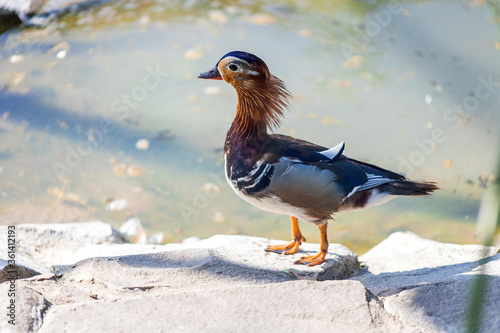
(212, 74)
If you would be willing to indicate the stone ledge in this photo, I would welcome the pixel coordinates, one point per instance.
(228, 283)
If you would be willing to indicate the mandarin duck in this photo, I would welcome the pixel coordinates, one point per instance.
(285, 175)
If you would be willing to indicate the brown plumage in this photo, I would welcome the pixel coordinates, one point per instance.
(260, 109)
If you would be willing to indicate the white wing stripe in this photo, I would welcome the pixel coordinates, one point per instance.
(373, 181)
(263, 173)
(251, 173)
(352, 192)
(333, 152)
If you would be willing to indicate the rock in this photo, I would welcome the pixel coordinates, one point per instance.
(163, 135)
(29, 309)
(403, 251)
(445, 306)
(49, 244)
(212, 90)
(61, 54)
(156, 238)
(217, 16)
(38, 12)
(120, 170)
(228, 283)
(133, 231)
(142, 144)
(17, 58)
(23, 268)
(210, 189)
(190, 240)
(262, 19)
(219, 260)
(294, 306)
(427, 285)
(194, 54)
(218, 217)
(116, 205)
(134, 171)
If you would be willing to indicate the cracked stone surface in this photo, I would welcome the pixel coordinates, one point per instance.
(289, 306)
(427, 285)
(30, 308)
(228, 283)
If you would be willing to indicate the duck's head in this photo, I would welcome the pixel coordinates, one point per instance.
(238, 67)
(262, 97)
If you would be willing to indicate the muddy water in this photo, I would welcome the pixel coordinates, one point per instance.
(102, 117)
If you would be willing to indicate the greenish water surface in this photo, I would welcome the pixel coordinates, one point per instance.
(412, 86)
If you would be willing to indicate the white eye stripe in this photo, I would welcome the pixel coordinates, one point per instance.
(227, 62)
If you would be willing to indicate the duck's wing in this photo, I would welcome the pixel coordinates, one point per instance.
(286, 155)
(300, 175)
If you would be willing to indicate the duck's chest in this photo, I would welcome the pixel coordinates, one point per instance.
(254, 185)
(246, 169)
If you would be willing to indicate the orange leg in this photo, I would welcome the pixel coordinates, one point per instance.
(293, 246)
(319, 257)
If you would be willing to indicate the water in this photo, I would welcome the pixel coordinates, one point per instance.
(389, 79)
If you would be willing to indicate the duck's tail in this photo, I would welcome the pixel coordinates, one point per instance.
(407, 187)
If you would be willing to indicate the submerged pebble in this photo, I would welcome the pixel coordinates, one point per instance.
(156, 238)
(61, 46)
(428, 99)
(217, 16)
(232, 231)
(190, 240)
(142, 144)
(193, 54)
(67, 196)
(212, 90)
(304, 33)
(15, 78)
(16, 58)
(61, 54)
(134, 171)
(117, 205)
(218, 217)
(262, 19)
(328, 120)
(353, 62)
(210, 188)
(163, 135)
(120, 170)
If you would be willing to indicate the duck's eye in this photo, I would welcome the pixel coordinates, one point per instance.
(233, 67)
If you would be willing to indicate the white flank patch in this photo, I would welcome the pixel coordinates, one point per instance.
(378, 198)
(271, 204)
